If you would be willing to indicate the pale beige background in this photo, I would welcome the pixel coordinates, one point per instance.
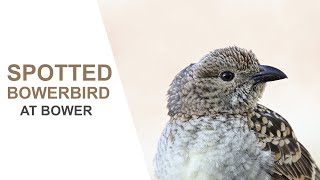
(153, 40)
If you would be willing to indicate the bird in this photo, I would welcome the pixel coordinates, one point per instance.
(218, 130)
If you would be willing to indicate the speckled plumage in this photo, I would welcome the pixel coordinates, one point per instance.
(218, 131)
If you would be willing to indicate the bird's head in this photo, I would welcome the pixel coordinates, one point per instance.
(228, 80)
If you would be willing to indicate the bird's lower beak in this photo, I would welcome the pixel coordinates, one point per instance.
(268, 73)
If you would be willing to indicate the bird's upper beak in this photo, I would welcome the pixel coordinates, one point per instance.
(268, 73)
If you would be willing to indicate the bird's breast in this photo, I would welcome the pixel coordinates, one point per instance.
(214, 148)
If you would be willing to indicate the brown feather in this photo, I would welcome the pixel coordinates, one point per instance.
(291, 158)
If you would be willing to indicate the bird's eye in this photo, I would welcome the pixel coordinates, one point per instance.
(226, 76)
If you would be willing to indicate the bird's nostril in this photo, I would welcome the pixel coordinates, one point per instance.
(261, 69)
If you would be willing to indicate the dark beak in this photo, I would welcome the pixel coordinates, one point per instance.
(268, 73)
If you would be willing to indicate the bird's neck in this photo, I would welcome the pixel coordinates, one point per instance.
(183, 116)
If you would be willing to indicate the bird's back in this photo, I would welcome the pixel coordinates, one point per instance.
(291, 158)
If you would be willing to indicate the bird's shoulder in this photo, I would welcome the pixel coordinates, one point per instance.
(291, 159)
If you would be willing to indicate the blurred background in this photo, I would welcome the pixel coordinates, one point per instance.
(153, 40)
